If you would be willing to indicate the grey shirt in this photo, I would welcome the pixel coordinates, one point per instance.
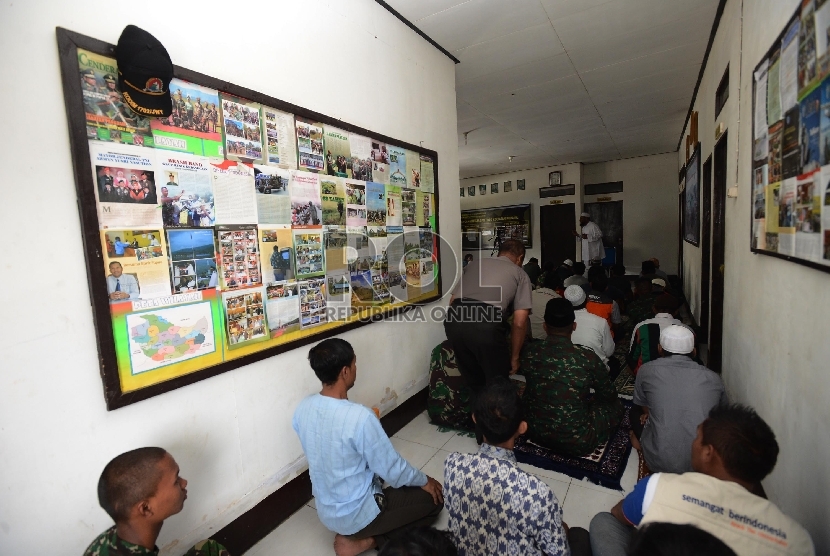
(679, 394)
(498, 281)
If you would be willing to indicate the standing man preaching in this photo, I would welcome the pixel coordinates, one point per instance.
(591, 238)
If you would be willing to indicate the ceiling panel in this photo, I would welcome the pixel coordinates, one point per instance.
(516, 49)
(560, 81)
(479, 21)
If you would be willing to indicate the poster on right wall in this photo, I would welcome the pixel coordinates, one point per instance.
(790, 189)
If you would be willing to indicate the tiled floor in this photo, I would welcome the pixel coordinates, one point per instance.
(426, 448)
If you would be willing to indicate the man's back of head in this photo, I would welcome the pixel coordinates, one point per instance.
(598, 278)
(329, 357)
(420, 541)
(744, 443)
(671, 539)
(643, 285)
(128, 479)
(648, 268)
(666, 303)
(498, 411)
(512, 247)
(618, 270)
(579, 268)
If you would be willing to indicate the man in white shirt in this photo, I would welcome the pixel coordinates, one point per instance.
(120, 286)
(591, 331)
(591, 239)
(646, 336)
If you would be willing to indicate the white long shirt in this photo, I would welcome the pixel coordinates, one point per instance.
(593, 332)
(592, 246)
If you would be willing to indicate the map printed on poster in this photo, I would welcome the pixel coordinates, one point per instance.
(125, 185)
(194, 125)
(107, 117)
(278, 131)
(169, 335)
(240, 122)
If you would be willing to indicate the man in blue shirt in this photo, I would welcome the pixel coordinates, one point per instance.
(349, 456)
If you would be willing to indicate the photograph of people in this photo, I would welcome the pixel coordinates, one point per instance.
(120, 286)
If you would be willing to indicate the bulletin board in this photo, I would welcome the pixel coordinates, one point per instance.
(790, 202)
(238, 228)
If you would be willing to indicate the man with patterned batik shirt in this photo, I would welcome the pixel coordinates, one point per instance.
(139, 490)
(494, 507)
(561, 412)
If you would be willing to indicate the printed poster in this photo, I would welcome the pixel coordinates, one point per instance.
(760, 124)
(239, 255)
(361, 162)
(308, 252)
(423, 209)
(355, 203)
(413, 164)
(278, 131)
(333, 198)
(380, 162)
(408, 207)
(395, 253)
(309, 146)
(786, 217)
(125, 185)
(394, 208)
(822, 26)
(339, 294)
(810, 131)
(169, 335)
(192, 260)
(824, 192)
(338, 152)
(276, 244)
(397, 166)
(335, 240)
(107, 117)
(282, 308)
(136, 264)
(824, 123)
(245, 317)
(313, 302)
(187, 190)
(788, 72)
(243, 134)
(790, 148)
(807, 70)
(273, 201)
(774, 88)
(775, 137)
(771, 216)
(194, 126)
(234, 193)
(375, 204)
(807, 216)
(428, 175)
(306, 204)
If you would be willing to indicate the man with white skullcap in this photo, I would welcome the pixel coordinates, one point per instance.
(591, 331)
(672, 396)
(591, 239)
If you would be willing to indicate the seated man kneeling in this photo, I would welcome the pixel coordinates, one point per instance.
(734, 450)
(139, 490)
(495, 507)
(349, 456)
(561, 412)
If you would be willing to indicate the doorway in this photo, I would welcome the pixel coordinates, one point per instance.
(718, 254)
(705, 251)
(609, 217)
(556, 226)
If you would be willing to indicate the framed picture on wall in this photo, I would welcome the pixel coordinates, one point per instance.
(508, 186)
(555, 178)
(462, 191)
(471, 190)
(520, 185)
(482, 189)
(494, 188)
(691, 204)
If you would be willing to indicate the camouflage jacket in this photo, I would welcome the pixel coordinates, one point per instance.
(108, 544)
(449, 397)
(560, 410)
(640, 309)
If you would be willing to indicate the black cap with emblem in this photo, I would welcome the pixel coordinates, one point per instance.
(144, 73)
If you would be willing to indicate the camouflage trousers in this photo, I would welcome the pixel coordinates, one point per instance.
(450, 399)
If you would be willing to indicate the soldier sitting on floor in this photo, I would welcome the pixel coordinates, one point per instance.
(139, 490)
(450, 398)
(560, 412)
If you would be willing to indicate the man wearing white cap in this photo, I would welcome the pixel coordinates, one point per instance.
(591, 238)
(672, 396)
(591, 331)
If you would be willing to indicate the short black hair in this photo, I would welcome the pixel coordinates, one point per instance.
(671, 539)
(552, 280)
(618, 270)
(498, 411)
(648, 267)
(420, 541)
(533, 260)
(128, 479)
(745, 443)
(579, 268)
(598, 279)
(513, 247)
(329, 357)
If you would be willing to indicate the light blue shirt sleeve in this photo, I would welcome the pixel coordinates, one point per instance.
(384, 460)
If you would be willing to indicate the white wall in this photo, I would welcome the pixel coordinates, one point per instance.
(534, 179)
(649, 199)
(231, 434)
(775, 347)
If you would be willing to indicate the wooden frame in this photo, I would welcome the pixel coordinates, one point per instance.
(68, 42)
(691, 206)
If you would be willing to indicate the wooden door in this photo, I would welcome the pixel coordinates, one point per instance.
(718, 255)
(705, 251)
(556, 225)
(609, 217)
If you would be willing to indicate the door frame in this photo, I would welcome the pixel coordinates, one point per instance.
(706, 251)
(719, 187)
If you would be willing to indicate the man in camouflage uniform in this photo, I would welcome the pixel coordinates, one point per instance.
(560, 411)
(450, 398)
(140, 489)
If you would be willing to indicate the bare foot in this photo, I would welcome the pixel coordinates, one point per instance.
(634, 442)
(344, 546)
